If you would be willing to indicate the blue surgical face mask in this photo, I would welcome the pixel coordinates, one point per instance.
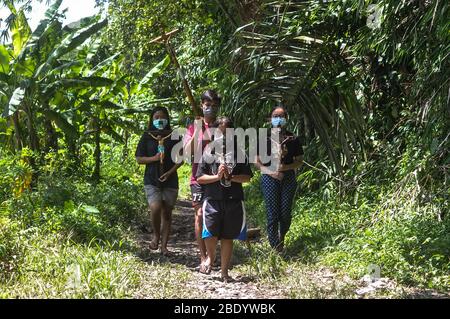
(278, 121)
(210, 110)
(160, 124)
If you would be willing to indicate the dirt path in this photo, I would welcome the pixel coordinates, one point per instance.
(181, 271)
(184, 252)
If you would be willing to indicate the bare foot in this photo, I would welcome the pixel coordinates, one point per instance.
(226, 278)
(202, 261)
(205, 268)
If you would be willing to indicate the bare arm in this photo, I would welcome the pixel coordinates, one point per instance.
(264, 169)
(208, 179)
(147, 160)
(175, 167)
(167, 174)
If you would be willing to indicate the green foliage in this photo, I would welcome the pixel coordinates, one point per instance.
(10, 245)
(53, 267)
(184, 178)
(17, 172)
(68, 222)
(64, 84)
(265, 263)
(381, 224)
(369, 100)
(254, 202)
(199, 44)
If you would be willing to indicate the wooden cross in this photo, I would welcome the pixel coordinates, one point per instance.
(165, 38)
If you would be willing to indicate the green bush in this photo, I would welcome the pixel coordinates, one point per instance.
(55, 267)
(372, 225)
(16, 174)
(10, 245)
(67, 222)
(409, 243)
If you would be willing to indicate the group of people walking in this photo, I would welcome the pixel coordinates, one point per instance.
(217, 192)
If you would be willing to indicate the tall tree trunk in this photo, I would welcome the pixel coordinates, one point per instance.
(51, 139)
(73, 154)
(17, 132)
(32, 133)
(125, 146)
(33, 143)
(97, 152)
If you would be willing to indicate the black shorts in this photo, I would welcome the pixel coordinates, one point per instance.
(198, 194)
(224, 219)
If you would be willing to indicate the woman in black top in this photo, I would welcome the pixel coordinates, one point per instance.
(279, 184)
(160, 177)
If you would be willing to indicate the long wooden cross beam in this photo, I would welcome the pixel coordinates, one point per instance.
(165, 38)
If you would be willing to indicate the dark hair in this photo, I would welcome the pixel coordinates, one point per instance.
(211, 95)
(279, 107)
(151, 127)
(223, 120)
